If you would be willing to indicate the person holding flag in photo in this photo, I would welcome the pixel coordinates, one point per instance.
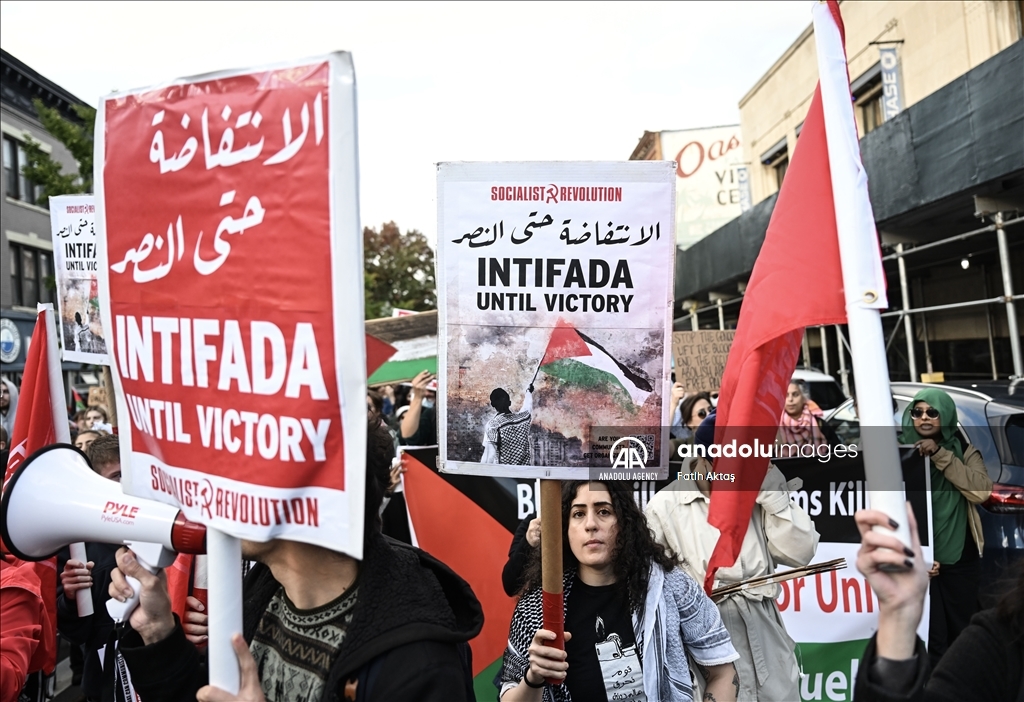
(507, 434)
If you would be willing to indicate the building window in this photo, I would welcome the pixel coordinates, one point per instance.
(32, 277)
(870, 108)
(780, 167)
(777, 159)
(867, 98)
(18, 186)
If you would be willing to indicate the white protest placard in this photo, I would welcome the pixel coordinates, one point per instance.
(76, 262)
(555, 316)
(232, 263)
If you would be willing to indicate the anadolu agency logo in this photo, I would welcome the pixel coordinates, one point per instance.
(628, 453)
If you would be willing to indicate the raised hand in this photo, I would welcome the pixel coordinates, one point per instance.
(899, 578)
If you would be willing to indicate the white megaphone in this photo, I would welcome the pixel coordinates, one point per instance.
(55, 498)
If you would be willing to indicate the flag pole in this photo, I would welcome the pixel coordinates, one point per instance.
(536, 373)
(61, 433)
(551, 562)
(863, 277)
(224, 574)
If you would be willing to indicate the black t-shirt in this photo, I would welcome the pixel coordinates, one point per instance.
(598, 619)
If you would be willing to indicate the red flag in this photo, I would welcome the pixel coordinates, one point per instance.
(797, 282)
(34, 428)
(439, 512)
(565, 342)
(179, 582)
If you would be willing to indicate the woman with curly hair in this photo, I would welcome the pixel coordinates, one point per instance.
(631, 616)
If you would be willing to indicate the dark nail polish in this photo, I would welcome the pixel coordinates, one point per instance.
(908, 552)
(909, 563)
(893, 523)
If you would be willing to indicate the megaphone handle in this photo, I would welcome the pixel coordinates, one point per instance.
(120, 611)
(83, 598)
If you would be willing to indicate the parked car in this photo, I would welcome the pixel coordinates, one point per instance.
(823, 388)
(991, 415)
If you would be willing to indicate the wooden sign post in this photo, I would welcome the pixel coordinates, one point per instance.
(551, 561)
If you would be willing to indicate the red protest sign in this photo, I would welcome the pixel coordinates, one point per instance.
(228, 210)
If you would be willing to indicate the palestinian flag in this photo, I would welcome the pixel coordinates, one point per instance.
(467, 522)
(576, 359)
(79, 402)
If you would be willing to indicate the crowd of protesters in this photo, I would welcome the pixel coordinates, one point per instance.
(407, 410)
(395, 625)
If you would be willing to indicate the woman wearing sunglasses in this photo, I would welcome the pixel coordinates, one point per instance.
(694, 409)
(959, 482)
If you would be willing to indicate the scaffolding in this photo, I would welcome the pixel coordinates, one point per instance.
(984, 208)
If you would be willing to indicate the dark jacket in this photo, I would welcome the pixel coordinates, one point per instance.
(92, 632)
(426, 432)
(512, 575)
(985, 663)
(410, 614)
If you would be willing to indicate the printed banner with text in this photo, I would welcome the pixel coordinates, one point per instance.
(76, 261)
(831, 616)
(233, 266)
(555, 314)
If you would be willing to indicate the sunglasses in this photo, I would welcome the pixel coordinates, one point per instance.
(931, 413)
(702, 413)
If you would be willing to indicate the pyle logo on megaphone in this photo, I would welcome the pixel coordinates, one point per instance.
(119, 513)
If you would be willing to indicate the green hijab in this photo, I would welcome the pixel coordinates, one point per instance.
(949, 506)
(940, 400)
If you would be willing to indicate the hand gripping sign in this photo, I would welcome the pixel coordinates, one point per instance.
(232, 259)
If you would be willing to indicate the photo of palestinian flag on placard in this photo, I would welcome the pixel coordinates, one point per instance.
(572, 384)
(577, 360)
